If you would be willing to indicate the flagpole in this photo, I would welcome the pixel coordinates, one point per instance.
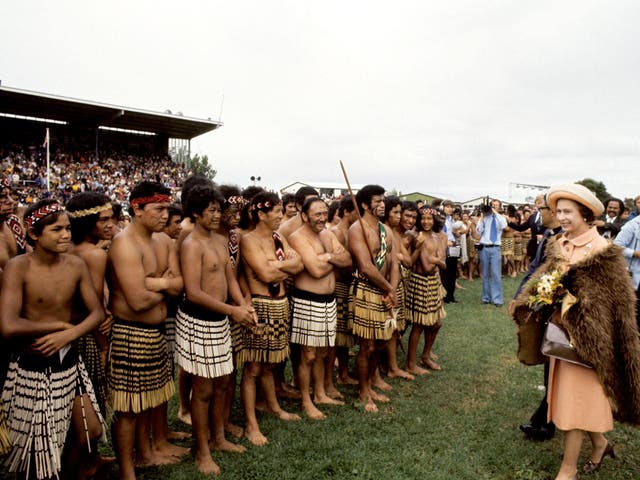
(48, 166)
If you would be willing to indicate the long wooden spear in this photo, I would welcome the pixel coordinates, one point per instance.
(355, 205)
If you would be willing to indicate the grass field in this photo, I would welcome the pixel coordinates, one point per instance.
(459, 423)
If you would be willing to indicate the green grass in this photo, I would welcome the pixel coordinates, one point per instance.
(459, 423)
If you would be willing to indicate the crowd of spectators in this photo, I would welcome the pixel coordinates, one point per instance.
(113, 174)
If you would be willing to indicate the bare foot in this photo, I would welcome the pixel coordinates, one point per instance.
(312, 412)
(226, 446)
(416, 370)
(169, 449)
(381, 384)
(369, 405)
(207, 466)
(97, 462)
(255, 436)
(178, 435)
(184, 417)
(379, 397)
(460, 286)
(233, 430)
(326, 400)
(288, 392)
(434, 356)
(399, 373)
(155, 460)
(347, 381)
(334, 393)
(282, 415)
(261, 406)
(431, 364)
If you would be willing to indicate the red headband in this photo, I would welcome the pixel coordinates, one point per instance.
(157, 198)
(428, 211)
(42, 212)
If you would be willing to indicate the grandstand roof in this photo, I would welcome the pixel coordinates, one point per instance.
(77, 112)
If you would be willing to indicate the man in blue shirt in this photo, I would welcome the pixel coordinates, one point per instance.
(489, 232)
(629, 239)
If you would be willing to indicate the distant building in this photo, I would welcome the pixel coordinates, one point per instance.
(326, 189)
(415, 196)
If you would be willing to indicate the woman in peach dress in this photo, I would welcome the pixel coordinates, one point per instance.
(601, 327)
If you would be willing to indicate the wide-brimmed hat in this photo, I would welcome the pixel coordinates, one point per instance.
(576, 192)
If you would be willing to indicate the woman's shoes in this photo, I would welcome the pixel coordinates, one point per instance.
(590, 466)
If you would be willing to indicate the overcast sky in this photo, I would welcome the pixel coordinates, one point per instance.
(454, 98)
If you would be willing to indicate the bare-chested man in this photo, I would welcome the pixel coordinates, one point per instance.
(143, 268)
(40, 395)
(374, 289)
(203, 334)
(268, 260)
(392, 220)
(295, 222)
(313, 305)
(344, 278)
(424, 294)
(186, 226)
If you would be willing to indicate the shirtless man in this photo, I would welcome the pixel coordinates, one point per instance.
(285, 230)
(392, 220)
(229, 235)
(203, 334)
(186, 226)
(295, 222)
(268, 260)
(143, 268)
(289, 209)
(344, 278)
(374, 289)
(40, 395)
(424, 294)
(313, 304)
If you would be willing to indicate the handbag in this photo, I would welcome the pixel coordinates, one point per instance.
(530, 334)
(556, 343)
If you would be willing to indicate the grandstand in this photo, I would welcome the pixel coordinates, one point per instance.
(93, 126)
(93, 145)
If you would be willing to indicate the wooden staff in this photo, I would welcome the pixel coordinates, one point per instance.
(355, 204)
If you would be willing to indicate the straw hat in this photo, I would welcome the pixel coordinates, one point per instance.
(577, 193)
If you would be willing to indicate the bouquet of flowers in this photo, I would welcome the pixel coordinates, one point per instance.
(546, 291)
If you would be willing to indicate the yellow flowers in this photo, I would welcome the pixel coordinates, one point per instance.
(546, 291)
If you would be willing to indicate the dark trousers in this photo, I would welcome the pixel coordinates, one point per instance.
(449, 278)
(539, 417)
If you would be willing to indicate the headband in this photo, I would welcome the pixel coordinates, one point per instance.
(39, 213)
(235, 200)
(157, 198)
(89, 211)
(428, 211)
(262, 205)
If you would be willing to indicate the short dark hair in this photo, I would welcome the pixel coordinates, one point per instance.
(308, 202)
(245, 214)
(191, 182)
(333, 210)
(146, 189)
(304, 192)
(365, 194)
(175, 210)
(288, 198)
(50, 219)
(390, 202)
(346, 205)
(614, 199)
(199, 199)
(409, 205)
(263, 202)
(82, 226)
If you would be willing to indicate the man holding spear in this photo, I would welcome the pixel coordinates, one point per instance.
(377, 277)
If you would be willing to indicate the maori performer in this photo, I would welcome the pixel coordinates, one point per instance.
(425, 292)
(48, 390)
(373, 289)
(268, 260)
